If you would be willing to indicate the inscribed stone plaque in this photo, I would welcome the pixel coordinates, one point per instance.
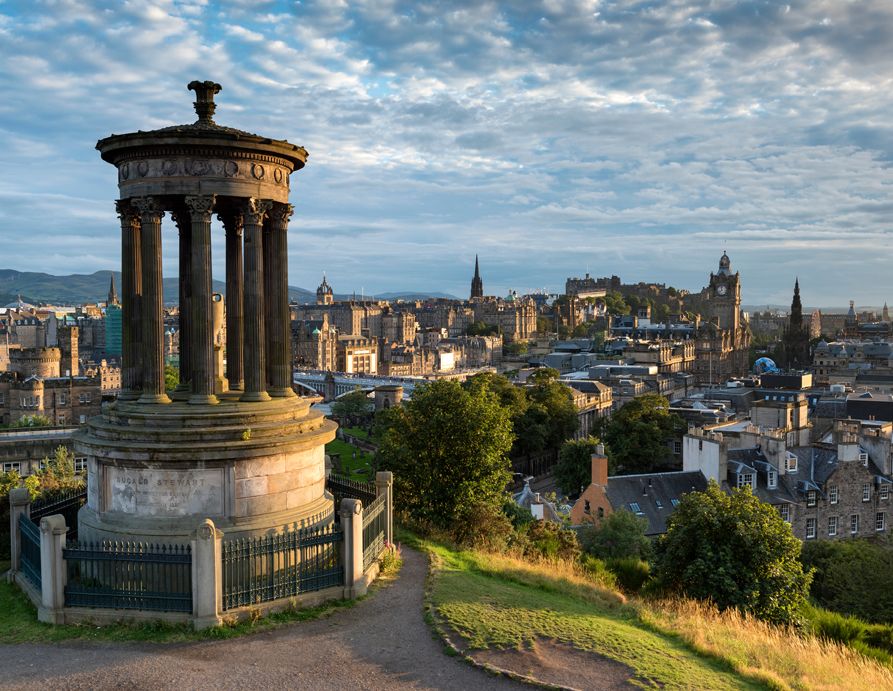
(151, 492)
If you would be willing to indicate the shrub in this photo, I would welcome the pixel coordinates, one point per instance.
(619, 535)
(548, 540)
(631, 573)
(598, 571)
(736, 551)
(483, 526)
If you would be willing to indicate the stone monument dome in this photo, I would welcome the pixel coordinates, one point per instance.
(233, 442)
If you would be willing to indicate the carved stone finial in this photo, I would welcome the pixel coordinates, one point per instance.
(204, 99)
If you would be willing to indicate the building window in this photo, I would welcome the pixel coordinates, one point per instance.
(772, 480)
(880, 521)
(14, 465)
(80, 464)
(586, 507)
(866, 492)
(745, 480)
(63, 399)
(677, 447)
(658, 503)
(810, 498)
(634, 507)
(810, 528)
(884, 492)
(832, 525)
(674, 502)
(864, 458)
(601, 512)
(833, 494)
(854, 523)
(785, 511)
(83, 419)
(790, 464)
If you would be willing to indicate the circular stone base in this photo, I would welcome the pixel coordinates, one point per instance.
(155, 473)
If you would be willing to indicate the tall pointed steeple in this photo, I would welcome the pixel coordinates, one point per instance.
(477, 285)
(113, 294)
(885, 315)
(796, 336)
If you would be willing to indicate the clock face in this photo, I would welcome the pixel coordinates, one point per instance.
(721, 290)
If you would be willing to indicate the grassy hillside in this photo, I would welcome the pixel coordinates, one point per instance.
(500, 603)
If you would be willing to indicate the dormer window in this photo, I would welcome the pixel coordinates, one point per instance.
(772, 479)
(746, 480)
(790, 463)
(863, 457)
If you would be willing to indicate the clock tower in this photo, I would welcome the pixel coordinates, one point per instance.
(724, 296)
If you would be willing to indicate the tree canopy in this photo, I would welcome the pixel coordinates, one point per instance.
(573, 472)
(638, 435)
(736, 551)
(619, 535)
(448, 448)
(353, 407)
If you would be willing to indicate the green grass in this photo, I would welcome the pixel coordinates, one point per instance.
(498, 602)
(355, 468)
(357, 432)
(18, 623)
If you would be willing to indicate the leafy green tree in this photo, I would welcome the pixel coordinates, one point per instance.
(171, 377)
(736, 551)
(481, 329)
(353, 407)
(638, 435)
(573, 471)
(616, 304)
(516, 348)
(448, 449)
(619, 535)
(852, 577)
(581, 330)
(544, 325)
(550, 417)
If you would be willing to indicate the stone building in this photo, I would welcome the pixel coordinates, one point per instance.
(826, 490)
(356, 355)
(23, 450)
(514, 316)
(315, 344)
(324, 293)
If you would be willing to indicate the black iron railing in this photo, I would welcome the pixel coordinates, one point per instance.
(279, 566)
(30, 554)
(67, 504)
(129, 575)
(375, 518)
(341, 487)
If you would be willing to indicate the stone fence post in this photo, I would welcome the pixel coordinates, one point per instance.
(352, 525)
(19, 503)
(384, 484)
(207, 576)
(52, 569)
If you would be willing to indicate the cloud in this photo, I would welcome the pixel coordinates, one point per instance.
(550, 137)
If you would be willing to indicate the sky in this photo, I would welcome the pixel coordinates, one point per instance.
(552, 138)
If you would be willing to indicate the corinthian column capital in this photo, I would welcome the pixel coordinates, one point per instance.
(126, 212)
(201, 206)
(255, 210)
(148, 207)
(280, 213)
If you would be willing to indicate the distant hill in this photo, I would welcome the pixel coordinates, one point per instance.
(76, 289)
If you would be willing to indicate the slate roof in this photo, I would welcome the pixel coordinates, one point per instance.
(651, 495)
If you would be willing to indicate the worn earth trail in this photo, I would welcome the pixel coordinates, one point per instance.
(381, 643)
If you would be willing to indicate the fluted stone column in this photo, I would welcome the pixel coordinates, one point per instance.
(183, 219)
(233, 223)
(255, 338)
(279, 319)
(269, 271)
(131, 290)
(201, 344)
(152, 302)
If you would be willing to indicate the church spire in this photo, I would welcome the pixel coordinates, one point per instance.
(113, 294)
(477, 284)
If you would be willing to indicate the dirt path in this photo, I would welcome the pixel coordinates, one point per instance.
(382, 643)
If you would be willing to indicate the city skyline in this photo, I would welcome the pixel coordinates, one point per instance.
(564, 138)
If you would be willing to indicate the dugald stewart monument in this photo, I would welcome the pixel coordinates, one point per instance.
(236, 446)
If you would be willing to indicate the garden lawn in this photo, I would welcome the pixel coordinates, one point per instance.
(495, 602)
